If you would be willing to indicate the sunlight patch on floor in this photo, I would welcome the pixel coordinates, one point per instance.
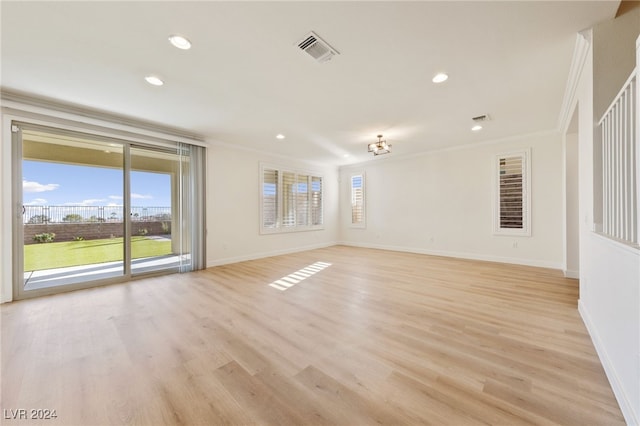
(294, 278)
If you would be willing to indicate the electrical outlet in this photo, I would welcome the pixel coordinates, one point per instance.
(515, 244)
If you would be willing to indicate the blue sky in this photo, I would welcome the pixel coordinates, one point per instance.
(58, 184)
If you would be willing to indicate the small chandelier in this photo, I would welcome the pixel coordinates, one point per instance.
(380, 147)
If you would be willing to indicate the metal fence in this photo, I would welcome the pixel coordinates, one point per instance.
(92, 214)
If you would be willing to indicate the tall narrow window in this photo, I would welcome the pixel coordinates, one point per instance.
(269, 198)
(290, 201)
(512, 194)
(357, 200)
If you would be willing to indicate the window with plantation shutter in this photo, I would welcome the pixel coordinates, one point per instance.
(290, 200)
(357, 200)
(269, 198)
(511, 215)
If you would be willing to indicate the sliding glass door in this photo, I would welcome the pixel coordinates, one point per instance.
(98, 209)
(155, 213)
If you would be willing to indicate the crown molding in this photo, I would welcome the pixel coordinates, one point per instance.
(28, 102)
(580, 51)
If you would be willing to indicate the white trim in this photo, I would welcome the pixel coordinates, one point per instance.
(104, 129)
(525, 154)
(626, 407)
(445, 253)
(51, 108)
(572, 274)
(637, 136)
(617, 244)
(459, 255)
(505, 140)
(6, 213)
(580, 51)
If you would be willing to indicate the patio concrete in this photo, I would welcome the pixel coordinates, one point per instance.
(75, 274)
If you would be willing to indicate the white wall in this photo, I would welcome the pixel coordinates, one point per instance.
(613, 44)
(442, 203)
(610, 271)
(233, 208)
(572, 220)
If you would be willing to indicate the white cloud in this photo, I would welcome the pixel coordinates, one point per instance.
(114, 205)
(36, 202)
(28, 186)
(135, 196)
(86, 202)
(92, 201)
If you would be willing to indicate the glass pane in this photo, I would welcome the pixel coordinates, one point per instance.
(72, 209)
(155, 194)
(357, 199)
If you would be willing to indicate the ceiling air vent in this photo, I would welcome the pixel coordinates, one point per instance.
(317, 48)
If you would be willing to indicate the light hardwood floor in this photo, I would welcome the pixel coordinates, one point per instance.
(376, 337)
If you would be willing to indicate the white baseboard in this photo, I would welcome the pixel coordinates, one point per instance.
(460, 255)
(572, 274)
(630, 416)
(260, 255)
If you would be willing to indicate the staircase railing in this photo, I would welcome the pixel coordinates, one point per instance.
(620, 164)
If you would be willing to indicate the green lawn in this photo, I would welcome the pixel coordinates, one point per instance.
(75, 253)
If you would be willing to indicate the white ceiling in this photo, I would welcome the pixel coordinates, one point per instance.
(244, 80)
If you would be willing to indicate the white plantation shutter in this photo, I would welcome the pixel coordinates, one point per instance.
(512, 209)
(290, 201)
(511, 195)
(269, 198)
(316, 200)
(302, 200)
(357, 199)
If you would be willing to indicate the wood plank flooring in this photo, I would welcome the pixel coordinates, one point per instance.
(376, 337)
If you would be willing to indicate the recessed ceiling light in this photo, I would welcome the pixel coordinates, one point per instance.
(279, 136)
(440, 77)
(180, 42)
(476, 128)
(153, 80)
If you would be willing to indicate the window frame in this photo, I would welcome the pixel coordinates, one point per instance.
(312, 211)
(498, 230)
(362, 223)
